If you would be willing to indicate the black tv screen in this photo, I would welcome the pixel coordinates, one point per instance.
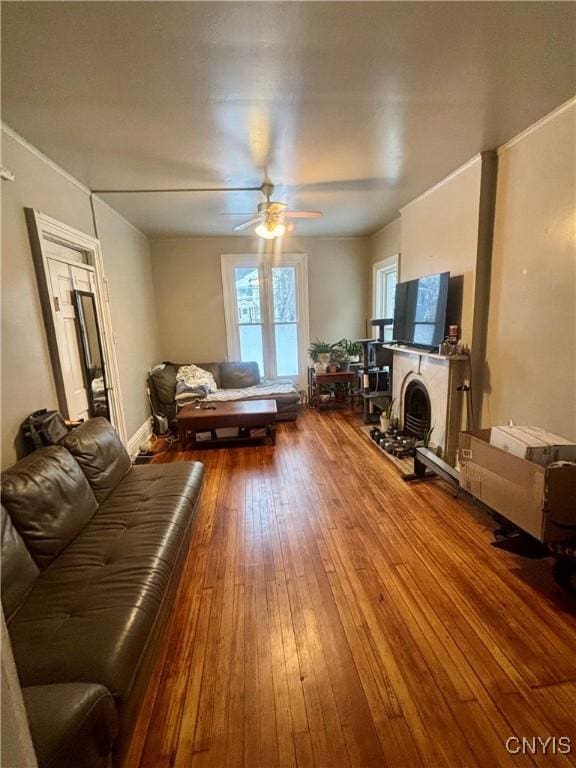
(420, 310)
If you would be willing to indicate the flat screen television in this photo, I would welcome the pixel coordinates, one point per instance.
(420, 310)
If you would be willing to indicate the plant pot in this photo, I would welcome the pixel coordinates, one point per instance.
(384, 423)
(354, 358)
(324, 358)
(332, 369)
(324, 398)
(319, 368)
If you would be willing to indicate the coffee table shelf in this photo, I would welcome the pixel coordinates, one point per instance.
(244, 415)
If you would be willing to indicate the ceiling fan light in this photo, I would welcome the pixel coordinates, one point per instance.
(269, 230)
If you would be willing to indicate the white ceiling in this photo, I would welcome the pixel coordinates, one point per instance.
(350, 108)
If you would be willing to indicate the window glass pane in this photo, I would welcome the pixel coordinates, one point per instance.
(390, 293)
(247, 294)
(284, 294)
(286, 337)
(251, 345)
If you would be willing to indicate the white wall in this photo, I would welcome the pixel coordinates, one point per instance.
(27, 381)
(531, 349)
(188, 285)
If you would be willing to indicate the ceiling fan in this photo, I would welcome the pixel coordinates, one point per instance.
(271, 217)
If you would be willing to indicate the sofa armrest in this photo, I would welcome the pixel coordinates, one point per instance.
(72, 724)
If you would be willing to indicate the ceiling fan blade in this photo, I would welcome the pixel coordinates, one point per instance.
(302, 214)
(247, 224)
(248, 213)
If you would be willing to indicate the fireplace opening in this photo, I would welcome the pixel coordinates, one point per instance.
(417, 410)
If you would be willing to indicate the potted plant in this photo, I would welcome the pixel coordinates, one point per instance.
(353, 350)
(426, 439)
(386, 416)
(339, 356)
(319, 352)
(340, 392)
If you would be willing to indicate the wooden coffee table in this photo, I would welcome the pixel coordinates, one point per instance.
(248, 414)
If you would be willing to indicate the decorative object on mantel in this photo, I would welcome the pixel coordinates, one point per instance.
(451, 344)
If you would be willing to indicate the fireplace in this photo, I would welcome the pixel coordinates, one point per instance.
(425, 387)
(417, 409)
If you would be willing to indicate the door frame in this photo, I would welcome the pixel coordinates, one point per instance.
(43, 228)
(267, 260)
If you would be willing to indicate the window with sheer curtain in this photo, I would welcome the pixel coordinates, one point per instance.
(266, 311)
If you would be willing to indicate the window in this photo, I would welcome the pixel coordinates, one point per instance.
(385, 277)
(266, 311)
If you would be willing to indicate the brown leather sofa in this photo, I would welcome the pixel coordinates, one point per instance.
(228, 376)
(92, 549)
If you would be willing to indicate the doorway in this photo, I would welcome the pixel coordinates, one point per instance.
(69, 267)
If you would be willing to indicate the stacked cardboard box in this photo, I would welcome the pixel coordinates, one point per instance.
(533, 444)
(538, 494)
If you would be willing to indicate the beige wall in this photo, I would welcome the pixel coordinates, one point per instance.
(188, 285)
(381, 245)
(440, 234)
(27, 382)
(385, 243)
(128, 266)
(531, 349)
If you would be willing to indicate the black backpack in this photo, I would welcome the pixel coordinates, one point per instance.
(43, 427)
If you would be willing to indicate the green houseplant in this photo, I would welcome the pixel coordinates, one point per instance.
(339, 356)
(319, 352)
(353, 349)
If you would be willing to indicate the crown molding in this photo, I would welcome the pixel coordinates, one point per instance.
(397, 220)
(537, 125)
(45, 159)
(456, 172)
(9, 131)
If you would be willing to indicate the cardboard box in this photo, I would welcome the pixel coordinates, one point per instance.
(539, 500)
(533, 444)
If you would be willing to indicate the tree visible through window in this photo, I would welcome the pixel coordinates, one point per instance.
(264, 319)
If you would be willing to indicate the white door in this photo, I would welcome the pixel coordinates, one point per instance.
(64, 278)
(266, 307)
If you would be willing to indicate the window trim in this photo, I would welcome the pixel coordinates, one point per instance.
(386, 265)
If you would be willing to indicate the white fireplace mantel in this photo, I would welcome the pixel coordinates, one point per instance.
(441, 375)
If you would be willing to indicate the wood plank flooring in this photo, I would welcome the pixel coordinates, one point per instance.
(331, 615)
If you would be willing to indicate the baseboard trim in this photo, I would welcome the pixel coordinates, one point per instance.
(142, 434)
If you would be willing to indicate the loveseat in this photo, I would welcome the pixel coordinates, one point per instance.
(234, 380)
(92, 550)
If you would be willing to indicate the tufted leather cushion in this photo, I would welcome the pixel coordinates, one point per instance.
(239, 375)
(49, 501)
(19, 571)
(71, 724)
(92, 611)
(97, 448)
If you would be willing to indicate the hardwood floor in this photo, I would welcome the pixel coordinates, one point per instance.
(331, 615)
